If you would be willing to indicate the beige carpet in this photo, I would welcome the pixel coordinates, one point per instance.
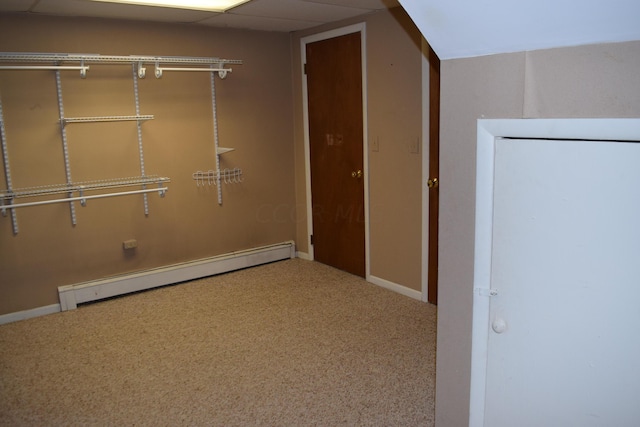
(293, 343)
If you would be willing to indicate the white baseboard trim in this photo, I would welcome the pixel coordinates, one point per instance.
(72, 295)
(28, 314)
(403, 290)
(304, 255)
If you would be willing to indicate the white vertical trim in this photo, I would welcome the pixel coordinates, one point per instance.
(365, 148)
(481, 274)
(307, 149)
(355, 28)
(426, 145)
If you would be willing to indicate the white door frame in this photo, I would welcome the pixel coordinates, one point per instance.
(426, 173)
(488, 131)
(356, 28)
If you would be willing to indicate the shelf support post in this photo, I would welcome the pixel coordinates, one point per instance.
(139, 127)
(65, 147)
(7, 171)
(215, 133)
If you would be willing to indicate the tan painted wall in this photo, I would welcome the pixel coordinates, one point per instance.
(254, 116)
(579, 82)
(394, 108)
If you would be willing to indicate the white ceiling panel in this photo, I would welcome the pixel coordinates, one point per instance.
(362, 4)
(230, 20)
(297, 10)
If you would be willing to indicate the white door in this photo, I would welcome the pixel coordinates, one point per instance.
(563, 342)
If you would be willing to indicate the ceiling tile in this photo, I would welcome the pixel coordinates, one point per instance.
(257, 23)
(297, 10)
(362, 4)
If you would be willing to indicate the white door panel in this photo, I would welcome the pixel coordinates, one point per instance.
(565, 262)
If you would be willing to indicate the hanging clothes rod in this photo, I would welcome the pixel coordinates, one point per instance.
(59, 58)
(113, 59)
(82, 199)
(107, 119)
(45, 190)
(44, 67)
(222, 72)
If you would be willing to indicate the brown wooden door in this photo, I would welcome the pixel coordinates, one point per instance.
(334, 90)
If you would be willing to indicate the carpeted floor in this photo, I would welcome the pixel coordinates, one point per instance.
(293, 343)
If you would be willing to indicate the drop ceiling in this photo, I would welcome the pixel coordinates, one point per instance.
(454, 28)
(263, 15)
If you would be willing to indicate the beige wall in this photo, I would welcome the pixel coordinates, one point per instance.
(254, 116)
(394, 112)
(588, 81)
(269, 207)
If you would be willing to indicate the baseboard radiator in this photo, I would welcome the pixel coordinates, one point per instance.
(72, 295)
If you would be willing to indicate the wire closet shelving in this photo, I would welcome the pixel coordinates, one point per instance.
(76, 191)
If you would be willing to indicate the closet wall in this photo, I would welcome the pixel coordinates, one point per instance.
(254, 109)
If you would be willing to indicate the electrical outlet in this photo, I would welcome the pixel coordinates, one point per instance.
(130, 244)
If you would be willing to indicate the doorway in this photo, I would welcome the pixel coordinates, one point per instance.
(333, 84)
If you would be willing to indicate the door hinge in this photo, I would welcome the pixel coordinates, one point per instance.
(484, 292)
(311, 239)
(305, 68)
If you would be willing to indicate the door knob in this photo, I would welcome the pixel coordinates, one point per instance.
(356, 174)
(499, 325)
(433, 183)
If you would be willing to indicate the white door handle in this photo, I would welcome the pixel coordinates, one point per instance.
(499, 325)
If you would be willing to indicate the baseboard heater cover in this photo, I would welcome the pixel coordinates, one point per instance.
(72, 295)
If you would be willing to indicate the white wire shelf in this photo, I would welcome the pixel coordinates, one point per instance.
(217, 177)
